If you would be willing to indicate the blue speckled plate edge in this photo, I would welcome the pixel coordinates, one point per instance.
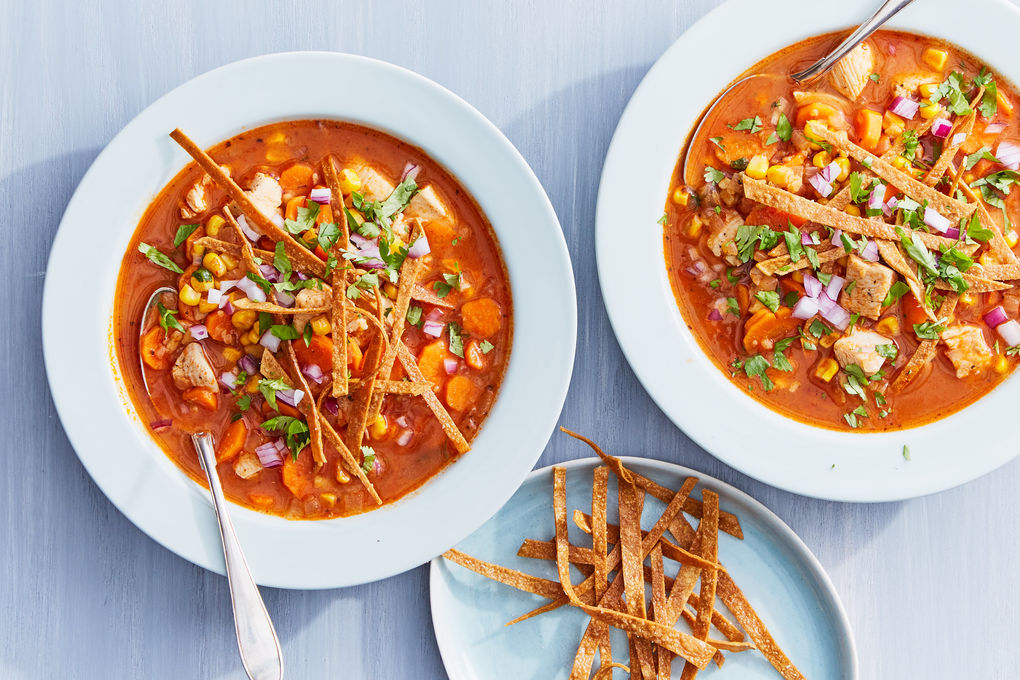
(454, 653)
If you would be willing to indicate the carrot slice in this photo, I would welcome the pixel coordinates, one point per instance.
(473, 355)
(297, 475)
(869, 128)
(220, 328)
(232, 442)
(319, 351)
(461, 392)
(153, 350)
(430, 362)
(292, 207)
(296, 176)
(202, 396)
(481, 317)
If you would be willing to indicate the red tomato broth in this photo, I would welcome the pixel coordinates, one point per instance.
(399, 470)
(936, 392)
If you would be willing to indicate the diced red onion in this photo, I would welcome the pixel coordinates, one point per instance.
(360, 241)
(402, 421)
(890, 48)
(227, 284)
(992, 129)
(996, 317)
(830, 172)
(405, 438)
(301, 277)
(284, 299)
(715, 315)
(835, 287)
(821, 186)
(419, 248)
(160, 425)
(877, 198)
(825, 303)
(252, 290)
(321, 195)
(805, 238)
(410, 170)
(249, 233)
(277, 219)
(270, 341)
(1008, 154)
(228, 308)
(905, 108)
(270, 273)
(870, 252)
(269, 455)
(805, 308)
(837, 238)
(433, 328)
(434, 314)
(228, 380)
(959, 138)
(290, 397)
(1010, 333)
(199, 331)
(941, 128)
(313, 373)
(248, 365)
(837, 316)
(936, 221)
(332, 405)
(952, 232)
(450, 365)
(890, 206)
(812, 286)
(213, 296)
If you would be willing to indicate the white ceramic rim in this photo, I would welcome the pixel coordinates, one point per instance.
(104, 428)
(449, 645)
(667, 359)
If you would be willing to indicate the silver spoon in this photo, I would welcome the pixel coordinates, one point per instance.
(256, 637)
(883, 14)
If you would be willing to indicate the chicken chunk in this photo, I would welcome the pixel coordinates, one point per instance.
(872, 282)
(247, 465)
(374, 186)
(266, 194)
(196, 201)
(860, 348)
(968, 350)
(850, 74)
(192, 369)
(723, 229)
(427, 206)
(309, 298)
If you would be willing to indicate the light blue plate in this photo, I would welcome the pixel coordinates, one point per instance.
(778, 574)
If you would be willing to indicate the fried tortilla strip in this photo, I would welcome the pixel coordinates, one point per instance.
(710, 551)
(728, 522)
(510, 577)
(422, 294)
(784, 265)
(350, 462)
(309, 408)
(606, 672)
(920, 192)
(599, 549)
(669, 549)
(631, 503)
(893, 256)
(409, 271)
(245, 249)
(763, 193)
(998, 242)
(396, 386)
(363, 397)
(749, 620)
(934, 175)
(925, 351)
(690, 648)
(338, 305)
(295, 251)
(663, 660)
(233, 249)
(975, 284)
(245, 303)
(999, 272)
(614, 463)
(438, 410)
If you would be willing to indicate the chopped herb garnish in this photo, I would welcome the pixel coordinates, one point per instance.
(751, 125)
(929, 330)
(889, 351)
(167, 320)
(183, 232)
(906, 452)
(449, 282)
(156, 257)
(713, 175)
(296, 434)
(783, 128)
(368, 459)
(269, 388)
(456, 341)
(284, 331)
(486, 346)
(413, 315)
(732, 306)
(756, 366)
(715, 283)
(769, 298)
(896, 291)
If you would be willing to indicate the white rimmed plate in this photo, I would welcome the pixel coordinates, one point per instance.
(667, 359)
(88, 390)
(780, 577)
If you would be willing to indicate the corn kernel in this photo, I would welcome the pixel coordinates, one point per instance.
(188, 296)
(213, 224)
(798, 276)
(1001, 364)
(215, 264)
(1005, 105)
(928, 89)
(341, 474)
(757, 166)
(900, 163)
(935, 58)
(379, 427)
(694, 227)
(828, 340)
(243, 319)
(254, 351)
(205, 306)
(778, 175)
(815, 129)
(890, 119)
(890, 325)
(844, 168)
(986, 260)
(252, 386)
(231, 354)
(681, 196)
(1012, 238)
(229, 260)
(320, 325)
(826, 369)
(969, 178)
(821, 159)
(349, 181)
(929, 110)
(195, 251)
(328, 498)
(968, 299)
(200, 284)
(852, 210)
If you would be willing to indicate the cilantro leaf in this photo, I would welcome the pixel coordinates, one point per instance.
(486, 346)
(713, 175)
(368, 459)
(156, 257)
(783, 128)
(756, 366)
(896, 291)
(769, 298)
(456, 341)
(751, 125)
(269, 388)
(167, 320)
(183, 232)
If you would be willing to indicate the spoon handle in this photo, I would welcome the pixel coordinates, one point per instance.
(884, 14)
(256, 637)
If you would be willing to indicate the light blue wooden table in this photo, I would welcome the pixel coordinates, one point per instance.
(930, 585)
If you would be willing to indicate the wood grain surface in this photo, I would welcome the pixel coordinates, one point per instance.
(930, 585)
